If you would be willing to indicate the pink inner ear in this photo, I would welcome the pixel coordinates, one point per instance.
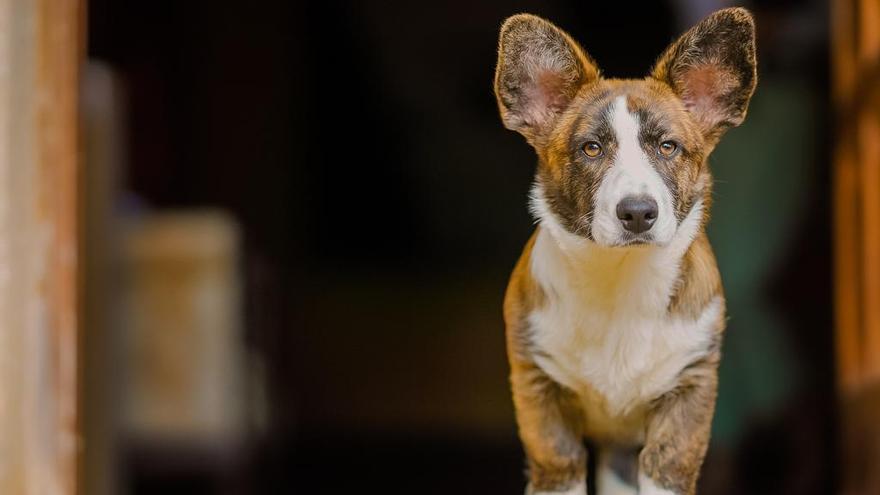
(703, 88)
(546, 96)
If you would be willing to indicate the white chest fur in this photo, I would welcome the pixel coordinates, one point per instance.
(604, 325)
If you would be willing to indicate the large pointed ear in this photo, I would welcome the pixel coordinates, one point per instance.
(540, 69)
(712, 69)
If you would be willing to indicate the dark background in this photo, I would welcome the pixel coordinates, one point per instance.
(383, 206)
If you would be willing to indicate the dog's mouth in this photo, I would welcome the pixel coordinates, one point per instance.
(636, 240)
(623, 239)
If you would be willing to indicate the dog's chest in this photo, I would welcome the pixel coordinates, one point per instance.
(605, 333)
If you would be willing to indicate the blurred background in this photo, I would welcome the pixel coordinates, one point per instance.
(299, 222)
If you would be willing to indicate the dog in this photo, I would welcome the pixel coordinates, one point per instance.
(615, 311)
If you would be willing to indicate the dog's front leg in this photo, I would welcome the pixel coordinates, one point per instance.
(550, 428)
(678, 434)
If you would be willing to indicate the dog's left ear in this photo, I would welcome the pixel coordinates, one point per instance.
(712, 69)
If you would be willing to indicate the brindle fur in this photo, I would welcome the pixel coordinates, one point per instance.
(540, 63)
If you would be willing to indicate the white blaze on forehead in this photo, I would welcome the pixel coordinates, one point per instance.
(630, 155)
(631, 174)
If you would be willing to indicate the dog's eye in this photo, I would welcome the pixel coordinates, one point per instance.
(667, 148)
(592, 149)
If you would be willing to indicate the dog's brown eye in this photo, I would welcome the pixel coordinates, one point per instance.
(667, 148)
(592, 149)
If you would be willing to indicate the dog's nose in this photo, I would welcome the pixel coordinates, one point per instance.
(637, 214)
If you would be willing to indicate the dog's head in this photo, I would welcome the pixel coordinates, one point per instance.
(623, 162)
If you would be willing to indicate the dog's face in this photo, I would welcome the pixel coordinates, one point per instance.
(623, 162)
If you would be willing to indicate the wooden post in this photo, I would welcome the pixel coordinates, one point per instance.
(856, 94)
(40, 54)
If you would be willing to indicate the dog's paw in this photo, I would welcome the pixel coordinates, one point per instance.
(648, 487)
(578, 489)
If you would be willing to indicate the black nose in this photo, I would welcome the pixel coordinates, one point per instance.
(637, 214)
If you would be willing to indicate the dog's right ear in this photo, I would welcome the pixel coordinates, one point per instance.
(540, 69)
(712, 68)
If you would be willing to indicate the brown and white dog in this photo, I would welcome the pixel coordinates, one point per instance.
(615, 310)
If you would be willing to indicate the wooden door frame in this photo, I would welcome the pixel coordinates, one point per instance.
(41, 49)
(855, 47)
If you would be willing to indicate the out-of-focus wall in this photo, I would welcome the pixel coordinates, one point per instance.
(168, 381)
(103, 116)
(181, 330)
(381, 206)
